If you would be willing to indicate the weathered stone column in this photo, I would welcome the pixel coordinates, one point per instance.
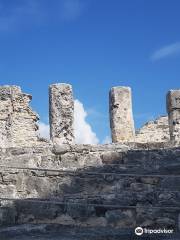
(18, 122)
(121, 117)
(61, 113)
(173, 109)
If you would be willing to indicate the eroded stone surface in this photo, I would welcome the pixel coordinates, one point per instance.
(154, 131)
(111, 186)
(61, 113)
(118, 186)
(121, 117)
(17, 120)
(173, 109)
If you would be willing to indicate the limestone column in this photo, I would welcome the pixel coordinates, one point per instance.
(61, 113)
(173, 109)
(121, 116)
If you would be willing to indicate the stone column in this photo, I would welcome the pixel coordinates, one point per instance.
(121, 116)
(61, 113)
(173, 109)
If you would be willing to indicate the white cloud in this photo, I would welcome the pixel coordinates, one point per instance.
(83, 131)
(44, 130)
(107, 140)
(38, 12)
(166, 51)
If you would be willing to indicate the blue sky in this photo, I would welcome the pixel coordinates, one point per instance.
(93, 45)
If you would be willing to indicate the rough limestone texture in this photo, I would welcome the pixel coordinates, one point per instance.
(121, 117)
(116, 186)
(85, 189)
(154, 131)
(61, 113)
(173, 109)
(17, 120)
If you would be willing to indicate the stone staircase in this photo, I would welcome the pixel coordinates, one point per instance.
(104, 193)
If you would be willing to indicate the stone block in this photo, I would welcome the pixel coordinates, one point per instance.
(112, 157)
(120, 218)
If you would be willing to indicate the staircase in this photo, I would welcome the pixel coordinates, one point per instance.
(104, 193)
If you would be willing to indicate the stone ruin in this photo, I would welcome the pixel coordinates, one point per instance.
(60, 190)
(61, 113)
(121, 117)
(18, 122)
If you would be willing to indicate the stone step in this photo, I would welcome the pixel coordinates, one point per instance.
(156, 169)
(13, 212)
(73, 158)
(124, 198)
(127, 198)
(63, 232)
(154, 157)
(165, 160)
(168, 168)
(29, 183)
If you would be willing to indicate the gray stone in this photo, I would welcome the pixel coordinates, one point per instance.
(165, 222)
(61, 149)
(121, 117)
(120, 218)
(173, 100)
(112, 157)
(61, 113)
(17, 120)
(173, 109)
(76, 210)
(7, 216)
(117, 186)
(154, 131)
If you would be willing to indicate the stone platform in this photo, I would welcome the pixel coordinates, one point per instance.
(81, 188)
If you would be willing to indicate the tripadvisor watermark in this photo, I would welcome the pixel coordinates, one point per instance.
(140, 231)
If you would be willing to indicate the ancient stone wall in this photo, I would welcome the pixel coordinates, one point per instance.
(134, 182)
(17, 120)
(154, 131)
(110, 186)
